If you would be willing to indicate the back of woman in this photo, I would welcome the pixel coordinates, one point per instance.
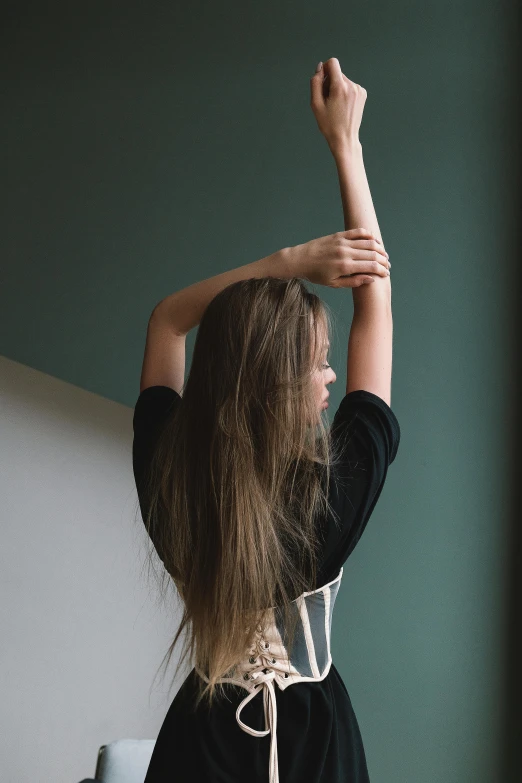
(254, 504)
(318, 737)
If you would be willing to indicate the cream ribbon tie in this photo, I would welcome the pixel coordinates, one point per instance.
(266, 684)
(270, 669)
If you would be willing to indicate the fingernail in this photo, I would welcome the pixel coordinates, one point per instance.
(319, 66)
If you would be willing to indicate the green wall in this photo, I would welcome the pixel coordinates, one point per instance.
(150, 145)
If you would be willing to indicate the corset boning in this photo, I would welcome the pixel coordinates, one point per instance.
(267, 663)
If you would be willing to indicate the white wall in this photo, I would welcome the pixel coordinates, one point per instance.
(83, 631)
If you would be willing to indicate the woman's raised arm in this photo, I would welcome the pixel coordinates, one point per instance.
(338, 105)
(184, 308)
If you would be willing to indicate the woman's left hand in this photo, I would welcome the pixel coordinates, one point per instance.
(346, 259)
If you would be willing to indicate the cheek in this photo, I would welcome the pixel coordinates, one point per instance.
(318, 382)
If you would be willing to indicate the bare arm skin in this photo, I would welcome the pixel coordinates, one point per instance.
(369, 363)
(358, 208)
(338, 104)
(331, 260)
(176, 314)
(370, 341)
(184, 309)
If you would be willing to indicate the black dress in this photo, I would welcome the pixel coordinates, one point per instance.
(318, 736)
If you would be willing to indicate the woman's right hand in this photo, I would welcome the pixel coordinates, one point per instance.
(345, 259)
(337, 104)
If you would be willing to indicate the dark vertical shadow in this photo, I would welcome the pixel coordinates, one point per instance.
(511, 753)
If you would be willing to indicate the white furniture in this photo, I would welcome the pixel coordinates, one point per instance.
(123, 761)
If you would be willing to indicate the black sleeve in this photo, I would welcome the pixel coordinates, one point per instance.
(151, 411)
(368, 433)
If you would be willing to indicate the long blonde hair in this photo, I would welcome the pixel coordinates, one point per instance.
(239, 474)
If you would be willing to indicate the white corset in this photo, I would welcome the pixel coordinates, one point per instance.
(269, 662)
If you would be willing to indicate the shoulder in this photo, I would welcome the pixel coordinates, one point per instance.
(153, 405)
(369, 420)
(152, 410)
(366, 437)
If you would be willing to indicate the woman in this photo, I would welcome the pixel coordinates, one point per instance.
(252, 503)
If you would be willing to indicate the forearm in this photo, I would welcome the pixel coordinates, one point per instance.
(359, 212)
(184, 309)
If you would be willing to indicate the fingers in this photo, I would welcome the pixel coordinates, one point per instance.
(361, 247)
(366, 246)
(372, 268)
(363, 233)
(333, 70)
(372, 252)
(353, 282)
(367, 261)
(374, 265)
(316, 87)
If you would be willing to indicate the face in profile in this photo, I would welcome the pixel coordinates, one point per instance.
(322, 374)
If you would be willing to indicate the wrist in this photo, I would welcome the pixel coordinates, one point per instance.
(345, 148)
(283, 263)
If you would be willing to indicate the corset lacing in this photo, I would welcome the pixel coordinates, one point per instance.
(268, 663)
(264, 674)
